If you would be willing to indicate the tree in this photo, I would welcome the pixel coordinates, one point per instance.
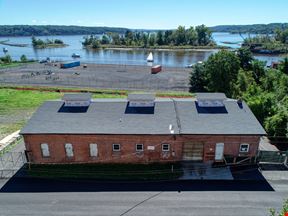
(283, 211)
(145, 39)
(34, 41)
(115, 38)
(6, 59)
(159, 38)
(281, 35)
(23, 58)
(261, 103)
(244, 80)
(258, 68)
(95, 44)
(152, 40)
(204, 35)
(105, 40)
(222, 70)
(284, 66)
(191, 36)
(58, 41)
(167, 38)
(197, 78)
(179, 36)
(245, 56)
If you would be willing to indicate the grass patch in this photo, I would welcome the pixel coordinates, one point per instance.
(11, 100)
(97, 93)
(10, 147)
(14, 64)
(156, 171)
(17, 103)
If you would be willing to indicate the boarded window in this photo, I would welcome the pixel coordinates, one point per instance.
(45, 150)
(165, 147)
(69, 150)
(93, 150)
(244, 147)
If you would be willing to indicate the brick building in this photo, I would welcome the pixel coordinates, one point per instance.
(141, 129)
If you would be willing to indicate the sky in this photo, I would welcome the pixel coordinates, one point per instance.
(143, 14)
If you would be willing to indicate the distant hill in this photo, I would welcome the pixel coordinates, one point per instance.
(255, 28)
(38, 30)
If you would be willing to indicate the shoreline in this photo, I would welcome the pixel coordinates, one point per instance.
(175, 49)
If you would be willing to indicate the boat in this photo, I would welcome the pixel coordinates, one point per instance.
(75, 55)
(5, 50)
(150, 57)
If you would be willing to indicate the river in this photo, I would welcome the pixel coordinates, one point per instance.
(126, 57)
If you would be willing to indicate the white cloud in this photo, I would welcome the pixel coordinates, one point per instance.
(34, 21)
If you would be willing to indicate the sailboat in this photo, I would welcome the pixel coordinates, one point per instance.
(150, 57)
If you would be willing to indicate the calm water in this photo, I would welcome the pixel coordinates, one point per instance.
(135, 57)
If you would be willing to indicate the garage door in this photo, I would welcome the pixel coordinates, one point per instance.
(193, 151)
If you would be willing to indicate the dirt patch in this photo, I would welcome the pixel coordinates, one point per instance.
(128, 77)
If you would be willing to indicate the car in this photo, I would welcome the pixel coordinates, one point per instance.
(189, 66)
(75, 55)
(43, 61)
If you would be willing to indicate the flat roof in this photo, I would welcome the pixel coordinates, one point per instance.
(110, 116)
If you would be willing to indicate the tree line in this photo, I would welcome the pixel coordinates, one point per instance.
(7, 59)
(39, 43)
(254, 28)
(239, 75)
(198, 36)
(45, 30)
(277, 42)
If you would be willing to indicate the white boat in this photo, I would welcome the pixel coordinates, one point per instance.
(5, 50)
(75, 55)
(150, 57)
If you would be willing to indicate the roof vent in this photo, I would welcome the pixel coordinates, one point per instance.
(240, 103)
(211, 99)
(211, 103)
(141, 100)
(75, 103)
(143, 103)
(77, 100)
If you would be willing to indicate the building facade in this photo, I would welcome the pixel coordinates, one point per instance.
(142, 129)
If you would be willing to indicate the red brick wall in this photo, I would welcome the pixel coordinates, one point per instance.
(128, 153)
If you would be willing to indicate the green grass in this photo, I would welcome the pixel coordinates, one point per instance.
(14, 64)
(11, 100)
(10, 147)
(156, 171)
(18, 105)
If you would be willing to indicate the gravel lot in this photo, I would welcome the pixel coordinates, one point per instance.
(98, 76)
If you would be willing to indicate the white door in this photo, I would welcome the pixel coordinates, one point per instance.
(219, 151)
(69, 150)
(93, 150)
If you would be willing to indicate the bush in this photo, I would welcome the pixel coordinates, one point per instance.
(23, 58)
(6, 59)
(58, 41)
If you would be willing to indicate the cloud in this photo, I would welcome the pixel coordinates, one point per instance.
(34, 21)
